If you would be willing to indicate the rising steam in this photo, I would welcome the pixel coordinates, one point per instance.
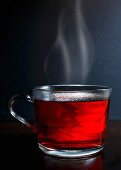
(71, 56)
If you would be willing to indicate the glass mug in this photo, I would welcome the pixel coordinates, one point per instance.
(70, 120)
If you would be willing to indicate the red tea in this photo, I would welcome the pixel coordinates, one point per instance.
(72, 124)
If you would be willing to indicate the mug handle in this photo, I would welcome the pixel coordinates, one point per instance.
(15, 115)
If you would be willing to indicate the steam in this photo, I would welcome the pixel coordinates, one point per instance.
(71, 56)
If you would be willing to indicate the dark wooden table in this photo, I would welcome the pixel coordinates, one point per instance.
(19, 150)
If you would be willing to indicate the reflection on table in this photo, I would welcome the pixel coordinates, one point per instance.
(90, 163)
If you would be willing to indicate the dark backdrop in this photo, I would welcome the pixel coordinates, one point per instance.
(27, 31)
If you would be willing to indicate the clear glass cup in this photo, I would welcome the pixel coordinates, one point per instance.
(70, 120)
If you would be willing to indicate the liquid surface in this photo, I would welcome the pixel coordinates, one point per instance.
(71, 125)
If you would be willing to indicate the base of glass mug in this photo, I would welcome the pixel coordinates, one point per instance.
(70, 153)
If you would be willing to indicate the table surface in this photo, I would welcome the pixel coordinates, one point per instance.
(19, 150)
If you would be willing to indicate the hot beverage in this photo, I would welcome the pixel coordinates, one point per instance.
(70, 120)
(71, 125)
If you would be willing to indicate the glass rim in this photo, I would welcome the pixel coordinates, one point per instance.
(58, 88)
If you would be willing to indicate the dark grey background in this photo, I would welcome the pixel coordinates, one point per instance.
(27, 31)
